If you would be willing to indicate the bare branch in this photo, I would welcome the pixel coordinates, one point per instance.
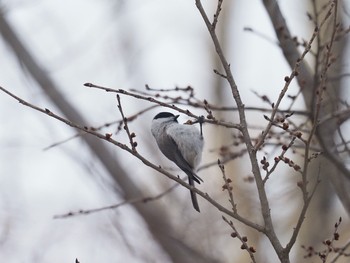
(243, 239)
(110, 207)
(124, 147)
(265, 207)
(217, 13)
(160, 103)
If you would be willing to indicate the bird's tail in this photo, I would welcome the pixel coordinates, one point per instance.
(193, 194)
(195, 177)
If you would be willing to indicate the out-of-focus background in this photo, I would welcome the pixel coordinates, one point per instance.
(127, 44)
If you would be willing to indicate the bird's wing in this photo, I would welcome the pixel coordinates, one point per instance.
(170, 149)
(189, 141)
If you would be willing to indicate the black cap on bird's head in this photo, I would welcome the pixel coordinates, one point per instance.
(166, 115)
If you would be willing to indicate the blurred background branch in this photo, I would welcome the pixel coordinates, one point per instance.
(159, 226)
(167, 46)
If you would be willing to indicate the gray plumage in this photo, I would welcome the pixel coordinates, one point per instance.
(182, 144)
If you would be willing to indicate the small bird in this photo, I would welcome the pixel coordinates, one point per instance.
(182, 144)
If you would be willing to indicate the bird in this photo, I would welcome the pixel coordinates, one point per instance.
(180, 143)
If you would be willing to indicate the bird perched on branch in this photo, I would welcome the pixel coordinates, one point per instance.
(182, 144)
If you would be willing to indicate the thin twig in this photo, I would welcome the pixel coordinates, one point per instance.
(110, 207)
(278, 159)
(217, 13)
(197, 103)
(243, 239)
(131, 136)
(227, 186)
(163, 104)
(98, 128)
(341, 252)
